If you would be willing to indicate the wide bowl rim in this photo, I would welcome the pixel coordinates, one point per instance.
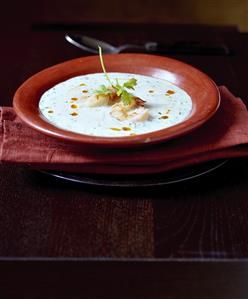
(26, 98)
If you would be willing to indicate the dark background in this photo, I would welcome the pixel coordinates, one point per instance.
(20, 14)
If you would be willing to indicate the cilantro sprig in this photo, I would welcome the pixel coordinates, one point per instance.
(104, 90)
(121, 90)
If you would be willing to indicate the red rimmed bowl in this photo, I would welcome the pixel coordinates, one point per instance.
(202, 90)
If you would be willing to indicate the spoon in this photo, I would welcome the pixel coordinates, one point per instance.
(90, 44)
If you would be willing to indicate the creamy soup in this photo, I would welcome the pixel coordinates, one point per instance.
(66, 105)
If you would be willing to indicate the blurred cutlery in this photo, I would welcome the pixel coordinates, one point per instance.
(90, 44)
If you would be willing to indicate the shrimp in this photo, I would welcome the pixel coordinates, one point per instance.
(134, 111)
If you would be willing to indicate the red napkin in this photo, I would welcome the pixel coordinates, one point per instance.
(224, 135)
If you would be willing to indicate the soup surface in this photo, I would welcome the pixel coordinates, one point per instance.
(64, 106)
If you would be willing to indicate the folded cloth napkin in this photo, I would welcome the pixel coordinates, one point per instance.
(224, 135)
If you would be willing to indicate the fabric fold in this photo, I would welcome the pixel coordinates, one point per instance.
(225, 135)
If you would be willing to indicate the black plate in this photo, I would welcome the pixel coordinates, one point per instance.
(160, 179)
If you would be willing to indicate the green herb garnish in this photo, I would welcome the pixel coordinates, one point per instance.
(121, 90)
(104, 90)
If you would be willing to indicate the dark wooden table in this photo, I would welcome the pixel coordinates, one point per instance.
(188, 240)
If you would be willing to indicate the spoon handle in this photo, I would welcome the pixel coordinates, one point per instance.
(190, 48)
(131, 47)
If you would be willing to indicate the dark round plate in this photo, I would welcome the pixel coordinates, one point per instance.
(147, 180)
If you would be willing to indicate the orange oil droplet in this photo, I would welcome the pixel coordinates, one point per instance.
(126, 129)
(169, 92)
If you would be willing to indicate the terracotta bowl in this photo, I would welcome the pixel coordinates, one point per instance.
(204, 94)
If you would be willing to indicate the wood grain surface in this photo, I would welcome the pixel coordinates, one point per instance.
(42, 217)
(61, 240)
